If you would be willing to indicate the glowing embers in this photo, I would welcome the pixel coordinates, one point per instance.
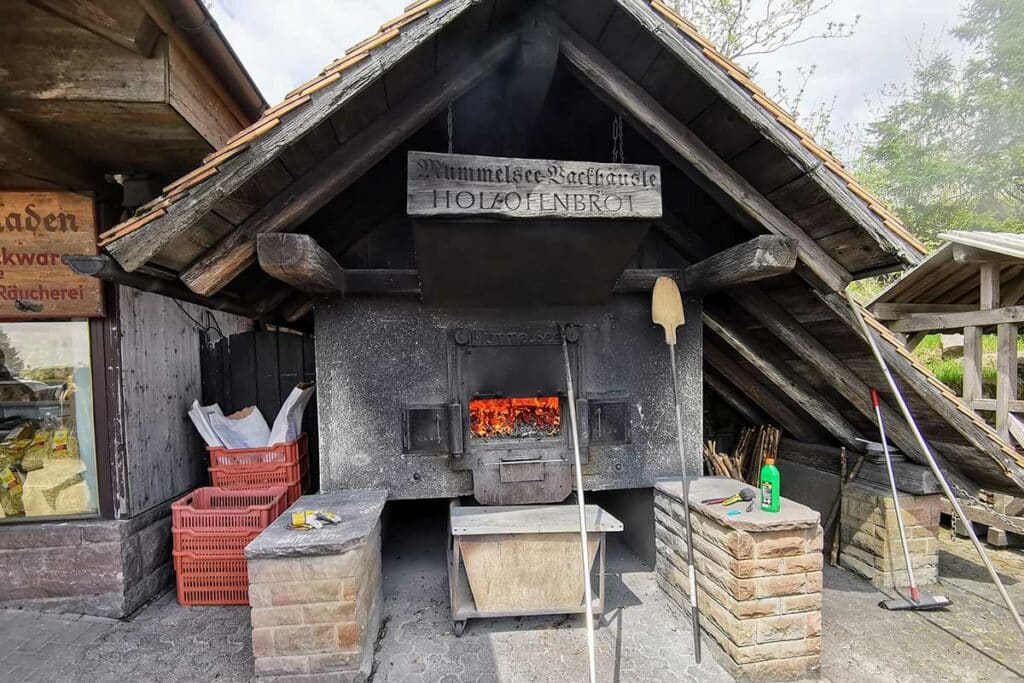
(517, 418)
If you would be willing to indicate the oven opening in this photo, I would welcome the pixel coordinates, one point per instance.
(515, 418)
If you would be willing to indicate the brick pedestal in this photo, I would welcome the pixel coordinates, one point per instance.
(758, 578)
(316, 595)
(870, 541)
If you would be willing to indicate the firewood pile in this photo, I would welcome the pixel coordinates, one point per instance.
(752, 448)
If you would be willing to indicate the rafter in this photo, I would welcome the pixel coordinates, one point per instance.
(679, 142)
(313, 190)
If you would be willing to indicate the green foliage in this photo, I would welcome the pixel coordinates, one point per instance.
(949, 153)
(11, 359)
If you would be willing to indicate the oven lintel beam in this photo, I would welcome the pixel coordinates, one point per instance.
(763, 257)
(616, 88)
(300, 262)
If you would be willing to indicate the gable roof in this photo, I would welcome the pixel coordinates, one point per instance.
(395, 39)
(275, 175)
(942, 279)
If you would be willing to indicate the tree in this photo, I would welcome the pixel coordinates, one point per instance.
(743, 30)
(948, 153)
(9, 355)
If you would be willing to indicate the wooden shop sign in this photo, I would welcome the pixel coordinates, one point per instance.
(36, 230)
(464, 185)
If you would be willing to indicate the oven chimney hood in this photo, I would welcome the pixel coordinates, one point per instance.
(539, 262)
(496, 231)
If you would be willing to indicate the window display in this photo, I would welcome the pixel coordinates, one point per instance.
(47, 447)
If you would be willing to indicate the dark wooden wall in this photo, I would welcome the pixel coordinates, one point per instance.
(261, 368)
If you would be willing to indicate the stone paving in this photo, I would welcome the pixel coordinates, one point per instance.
(641, 638)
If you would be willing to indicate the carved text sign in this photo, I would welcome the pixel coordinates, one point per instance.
(464, 185)
(36, 230)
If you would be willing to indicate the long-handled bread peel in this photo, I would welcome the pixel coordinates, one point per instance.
(667, 311)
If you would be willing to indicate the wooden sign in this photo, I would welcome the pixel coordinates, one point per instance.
(36, 230)
(464, 185)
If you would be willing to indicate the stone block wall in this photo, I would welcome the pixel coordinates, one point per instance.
(106, 568)
(758, 590)
(869, 536)
(317, 616)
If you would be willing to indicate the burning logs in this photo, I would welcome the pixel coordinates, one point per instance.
(515, 417)
(752, 448)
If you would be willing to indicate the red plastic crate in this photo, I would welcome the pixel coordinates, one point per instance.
(288, 453)
(247, 477)
(211, 580)
(216, 509)
(215, 543)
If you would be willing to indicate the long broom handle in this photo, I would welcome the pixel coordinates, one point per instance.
(935, 467)
(915, 595)
(587, 592)
(692, 572)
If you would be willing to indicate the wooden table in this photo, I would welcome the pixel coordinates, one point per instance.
(506, 561)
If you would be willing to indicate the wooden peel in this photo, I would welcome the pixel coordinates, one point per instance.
(667, 311)
(667, 307)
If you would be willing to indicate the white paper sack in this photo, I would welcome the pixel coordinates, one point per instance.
(288, 423)
(200, 416)
(244, 429)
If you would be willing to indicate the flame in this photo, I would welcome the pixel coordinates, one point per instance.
(517, 417)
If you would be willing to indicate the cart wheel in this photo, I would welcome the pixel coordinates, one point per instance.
(459, 627)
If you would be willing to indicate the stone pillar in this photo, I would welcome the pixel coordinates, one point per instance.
(758, 577)
(316, 595)
(870, 540)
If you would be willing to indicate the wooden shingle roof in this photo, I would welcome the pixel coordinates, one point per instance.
(891, 229)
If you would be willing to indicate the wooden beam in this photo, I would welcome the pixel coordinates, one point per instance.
(300, 262)
(965, 254)
(838, 374)
(740, 403)
(132, 251)
(613, 86)
(763, 396)
(928, 322)
(382, 282)
(105, 268)
(335, 172)
(821, 456)
(123, 23)
(988, 295)
(760, 258)
(944, 405)
(989, 404)
(763, 257)
(885, 311)
(797, 390)
(26, 154)
(740, 100)
(1006, 376)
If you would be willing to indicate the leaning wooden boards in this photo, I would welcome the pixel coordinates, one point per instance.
(465, 185)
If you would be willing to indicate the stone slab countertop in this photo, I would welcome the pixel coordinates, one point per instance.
(359, 512)
(791, 515)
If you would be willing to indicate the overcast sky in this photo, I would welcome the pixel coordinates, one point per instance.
(283, 46)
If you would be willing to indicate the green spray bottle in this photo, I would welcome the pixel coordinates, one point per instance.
(769, 486)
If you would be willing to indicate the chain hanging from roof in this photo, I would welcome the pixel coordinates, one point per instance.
(451, 129)
(618, 155)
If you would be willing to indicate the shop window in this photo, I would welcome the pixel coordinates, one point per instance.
(47, 451)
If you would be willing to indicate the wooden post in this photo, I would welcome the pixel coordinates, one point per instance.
(1006, 376)
(989, 284)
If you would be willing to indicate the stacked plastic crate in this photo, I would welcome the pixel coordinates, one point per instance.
(211, 527)
(284, 464)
